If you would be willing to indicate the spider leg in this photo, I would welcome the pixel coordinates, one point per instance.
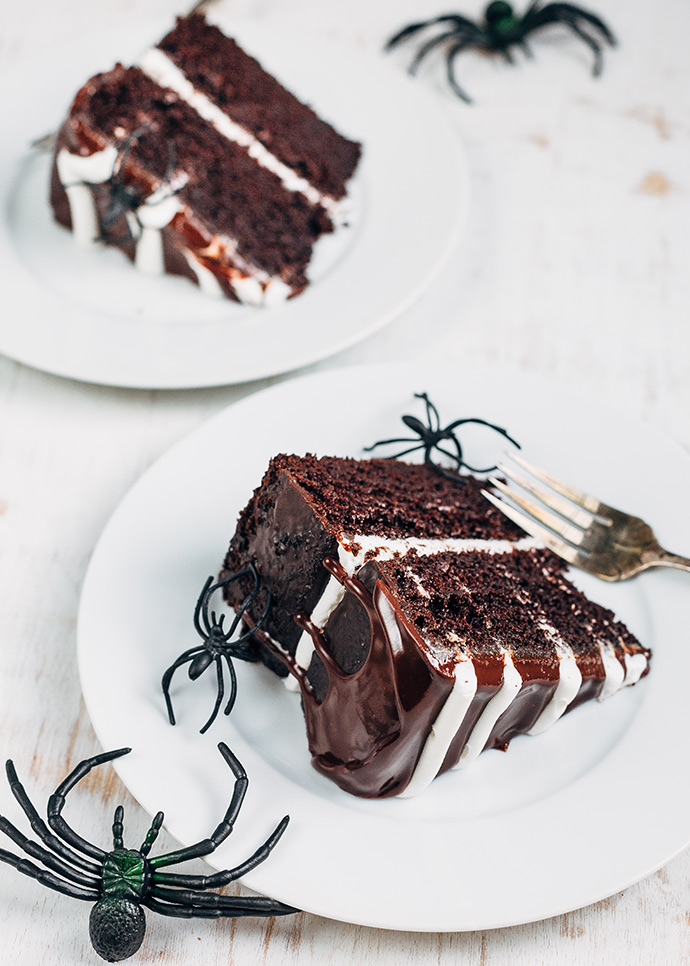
(568, 12)
(152, 834)
(427, 48)
(204, 900)
(57, 800)
(167, 677)
(223, 829)
(47, 858)
(456, 49)
(525, 48)
(246, 603)
(252, 906)
(197, 610)
(125, 151)
(47, 878)
(430, 410)
(41, 829)
(405, 452)
(385, 442)
(218, 879)
(591, 43)
(233, 684)
(455, 457)
(240, 647)
(483, 422)
(219, 696)
(406, 32)
(447, 18)
(118, 828)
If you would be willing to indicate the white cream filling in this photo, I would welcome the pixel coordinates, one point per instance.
(76, 173)
(569, 681)
(386, 612)
(501, 701)
(444, 728)
(384, 548)
(207, 281)
(635, 666)
(161, 69)
(613, 669)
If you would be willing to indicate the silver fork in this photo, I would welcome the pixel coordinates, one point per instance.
(584, 531)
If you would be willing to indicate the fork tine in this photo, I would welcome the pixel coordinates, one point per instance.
(572, 512)
(562, 528)
(577, 496)
(536, 529)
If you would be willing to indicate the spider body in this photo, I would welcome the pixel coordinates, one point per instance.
(121, 882)
(431, 436)
(218, 644)
(500, 30)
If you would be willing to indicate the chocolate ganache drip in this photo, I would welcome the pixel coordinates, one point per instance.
(361, 727)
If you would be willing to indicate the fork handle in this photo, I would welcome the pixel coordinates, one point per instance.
(663, 558)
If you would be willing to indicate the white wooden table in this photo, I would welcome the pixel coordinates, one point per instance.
(573, 265)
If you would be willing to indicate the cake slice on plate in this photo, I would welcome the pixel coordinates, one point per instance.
(196, 161)
(420, 625)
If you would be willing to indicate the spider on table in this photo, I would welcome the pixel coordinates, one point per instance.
(501, 29)
(121, 881)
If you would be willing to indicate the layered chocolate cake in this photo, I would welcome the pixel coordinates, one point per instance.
(420, 625)
(195, 161)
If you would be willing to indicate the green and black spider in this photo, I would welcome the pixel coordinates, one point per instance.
(432, 436)
(122, 881)
(500, 29)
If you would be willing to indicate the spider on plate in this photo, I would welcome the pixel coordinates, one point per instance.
(500, 29)
(218, 643)
(121, 881)
(431, 436)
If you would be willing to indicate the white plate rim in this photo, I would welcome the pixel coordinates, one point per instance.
(640, 761)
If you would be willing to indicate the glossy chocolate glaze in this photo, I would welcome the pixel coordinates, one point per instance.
(287, 541)
(367, 728)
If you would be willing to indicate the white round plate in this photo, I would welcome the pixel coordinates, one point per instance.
(561, 820)
(86, 313)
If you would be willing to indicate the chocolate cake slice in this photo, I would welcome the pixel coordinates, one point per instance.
(420, 625)
(196, 162)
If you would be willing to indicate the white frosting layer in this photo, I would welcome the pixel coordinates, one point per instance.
(76, 173)
(614, 670)
(501, 701)
(569, 681)
(384, 548)
(635, 666)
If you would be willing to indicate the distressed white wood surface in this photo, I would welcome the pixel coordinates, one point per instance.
(574, 265)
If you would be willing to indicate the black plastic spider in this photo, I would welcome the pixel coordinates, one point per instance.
(217, 644)
(122, 880)
(124, 199)
(500, 29)
(432, 435)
